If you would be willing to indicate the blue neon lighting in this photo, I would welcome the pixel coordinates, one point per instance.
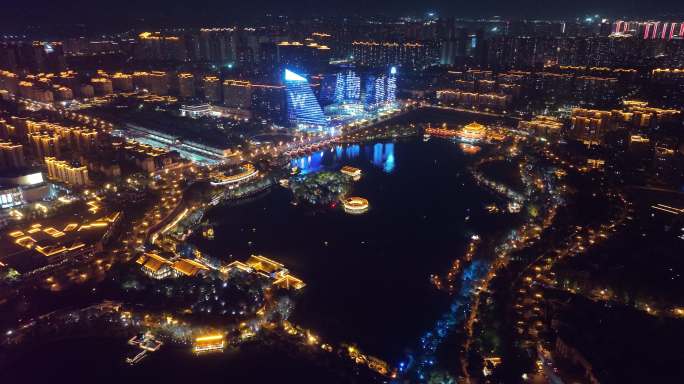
(339, 88)
(291, 76)
(303, 110)
(391, 90)
(352, 86)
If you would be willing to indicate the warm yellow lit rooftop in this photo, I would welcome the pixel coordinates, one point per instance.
(210, 338)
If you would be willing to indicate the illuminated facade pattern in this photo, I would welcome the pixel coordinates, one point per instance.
(380, 89)
(392, 87)
(347, 87)
(303, 109)
(339, 88)
(376, 91)
(352, 86)
(380, 54)
(328, 90)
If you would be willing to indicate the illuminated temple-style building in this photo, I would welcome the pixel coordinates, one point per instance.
(267, 268)
(303, 109)
(473, 132)
(159, 267)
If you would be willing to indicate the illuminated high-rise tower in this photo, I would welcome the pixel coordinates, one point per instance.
(303, 109)
(347, 87)
(339, 88)
(391, 89)
(376, 91)
(352, 86)
(380, 89)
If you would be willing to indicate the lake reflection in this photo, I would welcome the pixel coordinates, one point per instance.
(380, 155)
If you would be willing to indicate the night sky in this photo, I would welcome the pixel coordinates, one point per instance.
(128, 12)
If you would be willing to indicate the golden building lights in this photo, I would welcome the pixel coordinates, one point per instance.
(122, 82)
(355, 205)
(45, 144)
(155, 82)
(186, 85)
(473, 99)
(212, 89)
(209, 343)
(155, 266)
(473, 132)
(289, 282)
(542, 126)
(102, 85)
(590, 125)
(351, 171)
(159, 267)
(62, 171)
(668, 73)
(11, 155)
(52, 242)
(248, 172)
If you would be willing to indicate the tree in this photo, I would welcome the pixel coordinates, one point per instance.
(441, 377)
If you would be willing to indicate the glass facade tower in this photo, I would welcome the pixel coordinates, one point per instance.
(303, 110)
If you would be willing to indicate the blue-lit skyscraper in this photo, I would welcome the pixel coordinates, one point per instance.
(376, 92)
(391, 89)
(352, 86)
(380, 89)
(303, 110)
(369, 97)
(347, 87)
(339, 88)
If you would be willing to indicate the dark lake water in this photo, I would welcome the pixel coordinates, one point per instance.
(102, 360)
(367, 275)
